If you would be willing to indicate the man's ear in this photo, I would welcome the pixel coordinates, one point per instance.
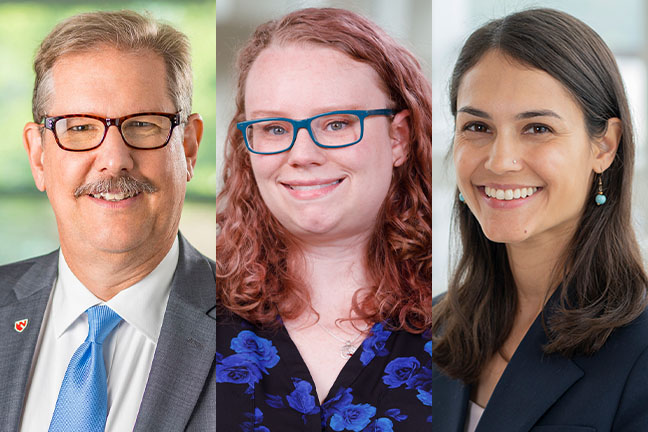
(606, 146)
(193, 132)
(33, 143)
(399, 132)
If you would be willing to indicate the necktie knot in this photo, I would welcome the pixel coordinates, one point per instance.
(101, 321)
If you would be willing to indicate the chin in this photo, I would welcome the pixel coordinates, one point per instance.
(309, 228)
(117, 246)
(116, 240)
(509, 236)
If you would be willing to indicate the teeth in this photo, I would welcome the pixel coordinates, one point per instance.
(108, 196)
(510, 194)
(307, 188)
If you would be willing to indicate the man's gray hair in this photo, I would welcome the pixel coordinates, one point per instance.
(126, 31)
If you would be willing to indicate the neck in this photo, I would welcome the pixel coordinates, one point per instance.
(106, 273)
(534, 270)
(333, 273)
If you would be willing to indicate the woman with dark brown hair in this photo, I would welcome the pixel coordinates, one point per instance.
(543, 326)
(323, 250)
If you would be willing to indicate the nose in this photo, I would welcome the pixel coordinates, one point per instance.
(305, 152)
(114, 157)
(504, 154)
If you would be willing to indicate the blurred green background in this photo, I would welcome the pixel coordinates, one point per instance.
(27, 225)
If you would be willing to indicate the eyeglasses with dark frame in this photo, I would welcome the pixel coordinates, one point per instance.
(85, 132)
(335, 129)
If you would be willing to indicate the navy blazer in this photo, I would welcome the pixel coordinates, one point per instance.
(607, 391)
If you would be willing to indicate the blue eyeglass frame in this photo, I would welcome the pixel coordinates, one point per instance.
(306, 124)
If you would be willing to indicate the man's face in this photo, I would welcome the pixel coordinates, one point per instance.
(111, 83)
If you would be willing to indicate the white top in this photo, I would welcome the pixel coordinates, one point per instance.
(474, 414)
(128, 350)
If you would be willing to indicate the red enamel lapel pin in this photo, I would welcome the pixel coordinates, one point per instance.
(19, 326)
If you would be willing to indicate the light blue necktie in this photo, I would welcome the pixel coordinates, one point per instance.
(82, 404)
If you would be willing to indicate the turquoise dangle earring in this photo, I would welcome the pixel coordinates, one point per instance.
(600, 196)
(461, 198)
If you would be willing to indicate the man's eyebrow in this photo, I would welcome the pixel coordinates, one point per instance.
(537, 113)
(474, 111)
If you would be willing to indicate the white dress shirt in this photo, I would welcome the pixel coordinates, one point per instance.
(474, 415)
(128, 350)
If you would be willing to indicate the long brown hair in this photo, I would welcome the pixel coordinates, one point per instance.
(602, 283)
(252, 271)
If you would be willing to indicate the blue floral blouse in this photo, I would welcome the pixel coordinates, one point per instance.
(263, 385)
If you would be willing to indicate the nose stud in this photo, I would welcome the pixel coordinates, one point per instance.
(514, 161)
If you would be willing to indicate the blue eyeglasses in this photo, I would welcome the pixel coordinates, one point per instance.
(333, 129)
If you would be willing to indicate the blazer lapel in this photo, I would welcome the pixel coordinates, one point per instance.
(450, 402)
(26, 301)
(531, 383)
(186, 349)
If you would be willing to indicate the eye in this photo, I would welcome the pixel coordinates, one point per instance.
(140, 124)
(537, 129)
(476, 127)
(274, 130)
(337, 125)
(80, 128)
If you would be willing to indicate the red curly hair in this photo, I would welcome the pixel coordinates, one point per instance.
(252, 270)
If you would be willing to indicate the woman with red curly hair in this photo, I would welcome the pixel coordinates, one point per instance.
(324, 232)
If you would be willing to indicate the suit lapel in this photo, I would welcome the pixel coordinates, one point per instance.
(450, 402)
(186, 349)
(529, 386)
(27, 300)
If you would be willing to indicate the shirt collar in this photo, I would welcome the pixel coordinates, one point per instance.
(141, 305)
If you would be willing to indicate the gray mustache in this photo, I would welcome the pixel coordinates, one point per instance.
(125, 184)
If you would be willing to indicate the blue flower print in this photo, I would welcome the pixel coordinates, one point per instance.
(374, 345)
(301, 399)
(401, 370)
(275, 401)
(425, 397)
(237, 369)
(259, 349)
(395, 413)
(256, 418)
(342, 398)
(421, 380)
(353, 417)
(428, 348)
(382, 424)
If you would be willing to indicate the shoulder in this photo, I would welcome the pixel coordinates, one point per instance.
(194, 279)
(23, 275)
(632, 339)
(438, 298)
(193, 257)
(18, 268)
(631, 343)
(625, 353)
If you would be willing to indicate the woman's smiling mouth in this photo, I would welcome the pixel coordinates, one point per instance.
(510, 194)
(311, 189)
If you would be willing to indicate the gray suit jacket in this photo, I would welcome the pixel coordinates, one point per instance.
(181, 390)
